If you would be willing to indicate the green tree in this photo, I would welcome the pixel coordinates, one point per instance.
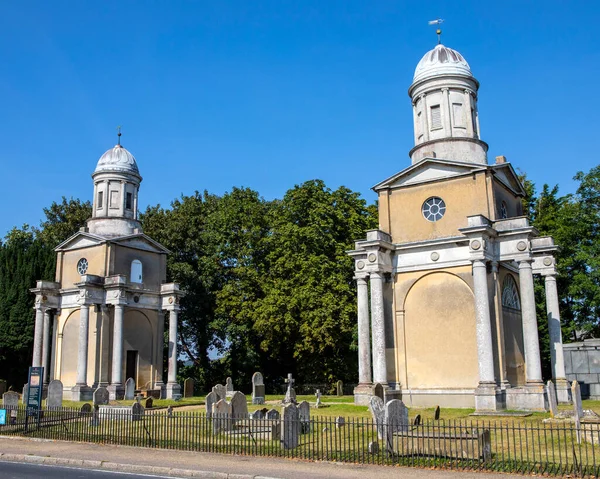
(63, 220)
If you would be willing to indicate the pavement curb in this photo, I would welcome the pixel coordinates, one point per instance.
(131, 468)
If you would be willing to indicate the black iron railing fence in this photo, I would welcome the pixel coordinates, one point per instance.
(550, 449)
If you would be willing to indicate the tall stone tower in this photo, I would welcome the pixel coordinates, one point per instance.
(446, 307)
(102, 320)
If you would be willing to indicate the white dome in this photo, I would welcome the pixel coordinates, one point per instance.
(117, 159)
(442, 61)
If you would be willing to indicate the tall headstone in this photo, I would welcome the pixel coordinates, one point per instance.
(10, 400)
(258, 389)
(377, 409)
(395, 420)
(340, 388)
(149, 403)
(101, 396)
(228, 387)
(437, 413)
(552, 399)
(577, 406)
(378, 391)
(273, 414)
(209, 402)
(129, 389)
(220, 391)
(239, 406)
(290, 434)
(55, 394)
(188, 388)
(304, 417)
(137, 411)
(318, 394)
(221, 416)
(25, 393)
(290, 395)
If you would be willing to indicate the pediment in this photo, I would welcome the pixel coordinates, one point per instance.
(506, 174)
(140, 242)
(428, 170)
(80, 240)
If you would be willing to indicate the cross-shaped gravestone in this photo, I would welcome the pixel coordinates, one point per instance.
(318, 394)
(290, 395)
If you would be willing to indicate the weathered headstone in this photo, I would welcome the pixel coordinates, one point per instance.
(552, 400)
(239, 406)
(209, 402)
(228, 387)
(170, 411)
(290, 430)
(149, 403)
(290, 394)
(395, 420)
(85, 408)
(258, 389)
(340, 388)
(220, 391)
(417, 420)
(258, 415)
(25, 393)
(273, 414)
(101, 396)
(95, 421)
(55, 394)
(137, 411)
(437, 413)
(188, 388)
(340, 421)
(304, 417)
(221, 416)
(318, 394)
(129, 389)
(577, 408)
(10, 400)
(373, 447)
(378, 391)
(377, 409)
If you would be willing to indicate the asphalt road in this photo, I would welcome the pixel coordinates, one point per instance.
(17, 470)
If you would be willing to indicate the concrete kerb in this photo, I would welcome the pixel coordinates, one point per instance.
(133, 468)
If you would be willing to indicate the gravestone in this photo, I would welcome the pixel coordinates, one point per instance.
(149, 403)
(340, 388)
(577, 406)
(2, 387)
(137, 411)
(239, 406)
(10, 400)
(290, 394)
(395, 420)
(318, 394)
(95, 421)
(55, 394)
(129, 389)
(437, 414)
(220, 391)
(378, 391)
(101, 396)
(258, 389)
(290, 430)
(373, 447)
(552, 400)
(170, 411)
(258, 414)
(340, 422)
(377, 409)
(273, 414)
(228, 387)
(209, 402)
(25, 393)
(85, 408)
(304, 417)
(417, 421)
(221, 416)
(188, 388)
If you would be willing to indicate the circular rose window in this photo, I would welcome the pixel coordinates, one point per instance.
(82, 266)
(433, 209)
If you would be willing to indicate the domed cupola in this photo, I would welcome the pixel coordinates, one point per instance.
(444, 98)
(116, 185)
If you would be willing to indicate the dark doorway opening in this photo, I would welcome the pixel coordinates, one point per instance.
(131, 368)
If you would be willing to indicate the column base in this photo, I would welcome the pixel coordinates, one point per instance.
(531, 397)
(485, 398)
(160, 386)
(362, 394)
(173, 391)
(116, 392)
(563, 391)
(81, 392)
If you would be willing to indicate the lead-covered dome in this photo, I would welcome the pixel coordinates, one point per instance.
(117, 159)
(441, 61)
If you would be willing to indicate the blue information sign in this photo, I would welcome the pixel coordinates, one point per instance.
(2, 417)
(34, 393)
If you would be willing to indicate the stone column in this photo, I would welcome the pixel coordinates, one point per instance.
(82, 347)
(54, 346)
(446, 112)
(556, 345)
(416, 125)
(425, 115)
(364, 336)
(499, 326)
(469, 113)
(172, 385)
(46, 345)
(533, 366)
(160, 337)
(378, 326)
(38, 336)
(116, 388)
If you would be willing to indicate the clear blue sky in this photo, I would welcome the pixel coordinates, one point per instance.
(268, 94)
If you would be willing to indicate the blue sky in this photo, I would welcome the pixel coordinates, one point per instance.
(268, 94)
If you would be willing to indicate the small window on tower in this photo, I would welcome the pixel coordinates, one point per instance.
(503, 210)
(436, 117)
(128, 201)
(100, 200)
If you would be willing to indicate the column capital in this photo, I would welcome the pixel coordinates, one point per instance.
(361, 277)
(479, 263)
(377, 274)
(445, 89)
(525, 263)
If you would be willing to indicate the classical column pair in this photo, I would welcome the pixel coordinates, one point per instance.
(41, 340)
(378, 326)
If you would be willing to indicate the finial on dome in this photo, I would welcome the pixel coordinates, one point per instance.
(119, 135)
(438, 21)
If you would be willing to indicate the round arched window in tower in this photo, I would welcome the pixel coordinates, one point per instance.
(503, 210)
(82, 266)
(433, 209)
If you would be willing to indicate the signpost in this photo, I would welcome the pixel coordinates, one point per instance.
(34, 396)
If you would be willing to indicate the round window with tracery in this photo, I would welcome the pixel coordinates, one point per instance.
(433, 209)
(82, 266)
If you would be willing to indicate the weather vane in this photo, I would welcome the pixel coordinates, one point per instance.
(119, 135)
(439, 21)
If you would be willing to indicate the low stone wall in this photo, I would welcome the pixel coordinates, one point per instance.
(582, 363)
